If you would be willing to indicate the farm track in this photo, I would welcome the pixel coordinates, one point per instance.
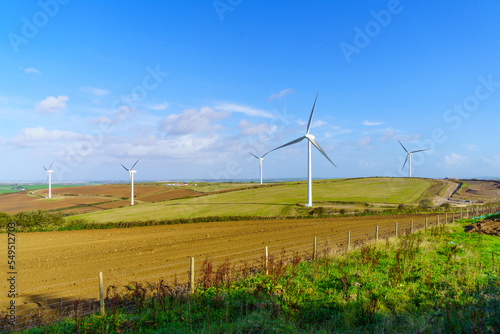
(67, 263)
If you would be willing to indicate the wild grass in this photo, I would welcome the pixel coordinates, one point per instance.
(442, 281)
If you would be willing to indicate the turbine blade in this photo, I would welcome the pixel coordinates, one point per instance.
(420, 151)
(125, 168)
(321, 150)
(312, 112)
(44, 167)
(406, 160)
(254, 155)
(290, 143)
(135, 163)
(264, 155)
(51, 164)
(404, 148)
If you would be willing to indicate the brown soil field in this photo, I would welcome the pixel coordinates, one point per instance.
(115, 190)
(78, 199)
(488, 226)
(488, 191)
(16, 202)
(63, 266)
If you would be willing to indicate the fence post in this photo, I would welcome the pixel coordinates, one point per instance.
(348, 240)
(314, 249)
(191, 276)
(411, 227)
(446, 217)
(462, 214)
(426, 223)
(396, 229)
(266, 261)
(102, 308)
(376, 233)
(437, 220)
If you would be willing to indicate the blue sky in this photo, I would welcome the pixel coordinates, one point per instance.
(192, 87)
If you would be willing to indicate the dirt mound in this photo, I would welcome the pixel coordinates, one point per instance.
(488, 226)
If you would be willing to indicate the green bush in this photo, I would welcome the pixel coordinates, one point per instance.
(426, 204)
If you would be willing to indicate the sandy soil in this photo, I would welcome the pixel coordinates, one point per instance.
(487, 226)
(67, 263)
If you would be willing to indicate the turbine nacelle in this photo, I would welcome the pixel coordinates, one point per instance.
(310, 137)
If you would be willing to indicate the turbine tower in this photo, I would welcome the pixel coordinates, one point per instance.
(408, 156)
(49, 178)
(131, 173)
(260, 162)
(311, 140)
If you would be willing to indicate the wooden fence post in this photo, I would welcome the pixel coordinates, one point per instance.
(266, 261)
(396, 229)
(348, 240)
(437, 220)
(462, 214)
(411, 227)
(446, 217)
(376, 233)
(102, 308)
(314, 249)
(191, 276)
(426, 223)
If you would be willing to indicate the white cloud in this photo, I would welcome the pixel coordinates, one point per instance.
(193, 121)
(368, 123)
(393, 135)
(229, 107)
(280, 95)
(317, 124)
(158, 107)
(52, 104)
(31, 70)
(456, 160)
(95, 91)
(39, 135)
(250, 129)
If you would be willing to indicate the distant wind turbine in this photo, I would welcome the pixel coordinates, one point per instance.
(131, 173)
(260, 162)
(311, 140)
(49, 178)
(408, 156)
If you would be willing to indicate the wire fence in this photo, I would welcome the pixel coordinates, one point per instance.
(182, 278)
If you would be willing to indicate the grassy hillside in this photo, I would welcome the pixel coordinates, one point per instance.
(279, 199)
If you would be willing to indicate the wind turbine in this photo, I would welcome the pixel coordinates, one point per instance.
(260, 162)
(131, 173)
(408, 156)
(49, 178)
(311, 140)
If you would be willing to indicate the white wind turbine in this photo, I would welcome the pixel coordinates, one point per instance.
(408, 156)
(260, 162)
(311, 140)
(49, 178)
(131, 173)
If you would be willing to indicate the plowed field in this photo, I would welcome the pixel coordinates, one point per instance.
(67, 263)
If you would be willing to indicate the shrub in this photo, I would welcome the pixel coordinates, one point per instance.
(426, 204)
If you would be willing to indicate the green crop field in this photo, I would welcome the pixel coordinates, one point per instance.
(274, 200)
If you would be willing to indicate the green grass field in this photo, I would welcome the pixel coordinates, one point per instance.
(274, 200)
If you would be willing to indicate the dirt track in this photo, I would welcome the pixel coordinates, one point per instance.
(47, 261)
